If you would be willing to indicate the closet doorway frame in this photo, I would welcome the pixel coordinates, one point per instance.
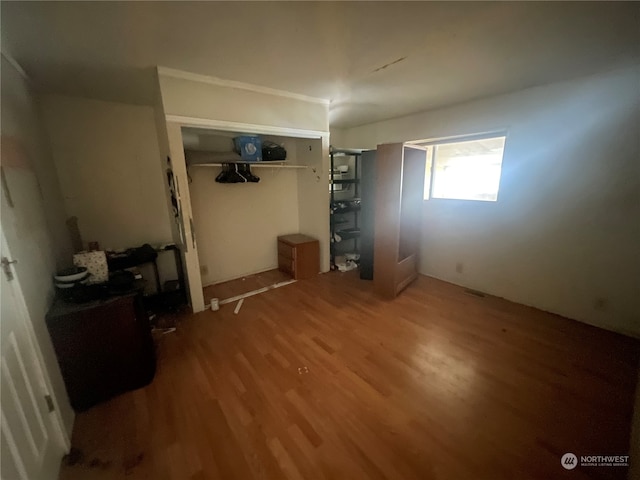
(189, 247)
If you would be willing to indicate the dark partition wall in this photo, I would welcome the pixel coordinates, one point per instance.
(367, 213)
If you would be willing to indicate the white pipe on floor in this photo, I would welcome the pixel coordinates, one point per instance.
(238, 306)
(256, 292)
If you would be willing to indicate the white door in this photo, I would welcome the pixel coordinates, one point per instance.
(30, 445)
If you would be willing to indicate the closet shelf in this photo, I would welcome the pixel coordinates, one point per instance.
(349, 233)
(270, 164)
(345, 181)
(339, 210)
(338, 207)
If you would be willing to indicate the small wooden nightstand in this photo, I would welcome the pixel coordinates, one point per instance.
(299, 255)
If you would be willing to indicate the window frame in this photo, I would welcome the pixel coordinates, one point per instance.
(431, 158)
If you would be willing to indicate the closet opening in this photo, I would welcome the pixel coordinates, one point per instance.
(242, 210)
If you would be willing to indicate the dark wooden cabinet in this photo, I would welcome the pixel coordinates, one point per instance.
(299, 255)
(104, 347)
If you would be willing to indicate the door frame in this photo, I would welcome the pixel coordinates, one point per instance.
(189, 249)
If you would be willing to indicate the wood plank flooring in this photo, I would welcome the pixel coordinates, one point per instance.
(322, 380)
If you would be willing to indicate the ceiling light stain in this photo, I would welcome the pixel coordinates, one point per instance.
(389, 64)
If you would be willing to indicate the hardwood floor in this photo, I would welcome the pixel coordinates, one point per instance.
(322, 380)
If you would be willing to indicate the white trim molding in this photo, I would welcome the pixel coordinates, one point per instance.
(226, 126)
(221, 82)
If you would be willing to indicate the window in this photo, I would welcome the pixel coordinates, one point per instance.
(464, 169)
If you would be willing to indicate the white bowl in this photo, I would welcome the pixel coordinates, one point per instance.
(73, 277)
(71, 284)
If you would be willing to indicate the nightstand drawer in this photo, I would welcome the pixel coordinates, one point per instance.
(287, 251)
(286, 264)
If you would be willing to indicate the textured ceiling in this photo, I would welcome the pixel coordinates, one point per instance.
(373, 60)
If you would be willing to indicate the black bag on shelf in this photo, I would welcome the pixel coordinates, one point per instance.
(273, 152)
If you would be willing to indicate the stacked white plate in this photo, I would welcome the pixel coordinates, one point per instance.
(71, 277)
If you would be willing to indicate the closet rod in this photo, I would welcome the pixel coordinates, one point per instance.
(256, 164)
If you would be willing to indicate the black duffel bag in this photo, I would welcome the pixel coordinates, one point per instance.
(273, 152)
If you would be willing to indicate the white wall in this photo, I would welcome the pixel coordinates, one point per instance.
(564, 235)
(35, 226)
(197, 98)
(313, 193)
(163, 145)
(111, 172)
(337, 138)
(237, 225)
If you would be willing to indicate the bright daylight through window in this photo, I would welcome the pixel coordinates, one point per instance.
(465, 169)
